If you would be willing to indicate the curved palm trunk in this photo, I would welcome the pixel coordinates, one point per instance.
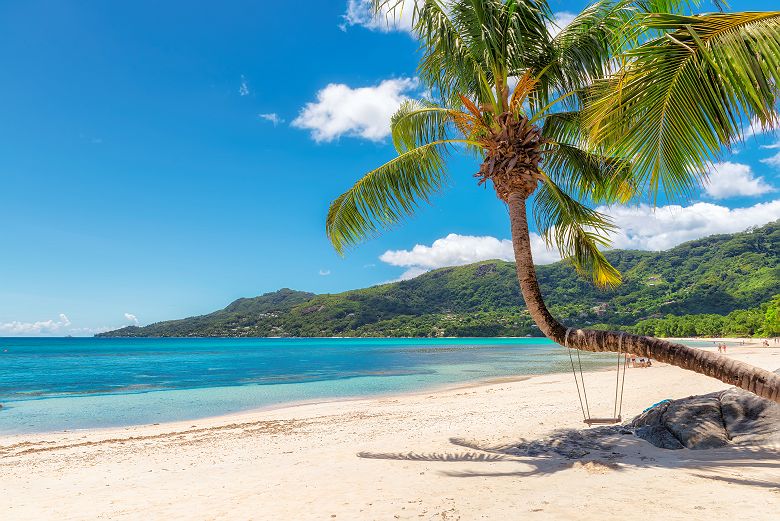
(759, 381)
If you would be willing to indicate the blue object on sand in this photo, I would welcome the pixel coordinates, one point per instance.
(657, 404)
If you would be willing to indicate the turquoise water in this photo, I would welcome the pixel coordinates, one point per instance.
(49, 384)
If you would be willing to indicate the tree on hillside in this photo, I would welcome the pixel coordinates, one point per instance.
(631, 99)
(771, 326)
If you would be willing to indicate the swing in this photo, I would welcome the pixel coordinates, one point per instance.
(619, 385)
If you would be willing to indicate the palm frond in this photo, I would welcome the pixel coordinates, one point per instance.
(524, 34)
(564, 127)
(526, 85)
(676, 6)
(386, 195)
(418, 122)
(590, 176)
(583, 50)
(683, 96)
(452, 63)
(580, 169)
(576, 231)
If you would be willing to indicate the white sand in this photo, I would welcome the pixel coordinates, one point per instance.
(445, 455)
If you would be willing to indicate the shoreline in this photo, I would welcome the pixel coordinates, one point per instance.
(230, 416)
(445, 454)
(434, 388)
(341, 400)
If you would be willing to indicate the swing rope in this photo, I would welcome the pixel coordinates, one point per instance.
(618, 385)
(623, 382)
(620, 382)
(574, 372)
(582, 379)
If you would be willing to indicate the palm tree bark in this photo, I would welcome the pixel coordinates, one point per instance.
(756, 380)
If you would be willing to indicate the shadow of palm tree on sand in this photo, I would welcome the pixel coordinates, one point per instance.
(596, 450)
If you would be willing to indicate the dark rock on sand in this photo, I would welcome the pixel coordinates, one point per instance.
(731, 417)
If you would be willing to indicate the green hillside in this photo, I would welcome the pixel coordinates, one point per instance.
(715, 275)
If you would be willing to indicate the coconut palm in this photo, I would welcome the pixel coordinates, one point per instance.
(631, 99)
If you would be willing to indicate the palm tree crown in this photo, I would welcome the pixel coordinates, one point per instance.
(600, 111)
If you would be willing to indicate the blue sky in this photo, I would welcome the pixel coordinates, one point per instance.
(158, 160)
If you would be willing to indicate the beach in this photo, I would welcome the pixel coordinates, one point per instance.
(506, 449)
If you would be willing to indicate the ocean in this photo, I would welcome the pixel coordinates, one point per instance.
(54, 384)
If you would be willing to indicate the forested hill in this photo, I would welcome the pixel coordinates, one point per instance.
(714, 275)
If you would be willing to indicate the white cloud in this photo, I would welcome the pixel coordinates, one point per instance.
(414, 271)
(324, 273)
(59, 327)
(363, 112)
(243, 89)
(273, 117)
(642, 228)
(734, 179)
(560, 20)
(773, 160)
(41, 327)
(391, 17)
(456, 250)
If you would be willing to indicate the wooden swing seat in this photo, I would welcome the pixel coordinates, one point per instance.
(603, 421)
(583, 395)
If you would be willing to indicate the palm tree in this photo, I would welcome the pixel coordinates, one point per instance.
(631, 99)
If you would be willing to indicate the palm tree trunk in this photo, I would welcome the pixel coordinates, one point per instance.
(756, 380)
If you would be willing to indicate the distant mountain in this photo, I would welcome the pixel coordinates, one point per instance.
(715, 275)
